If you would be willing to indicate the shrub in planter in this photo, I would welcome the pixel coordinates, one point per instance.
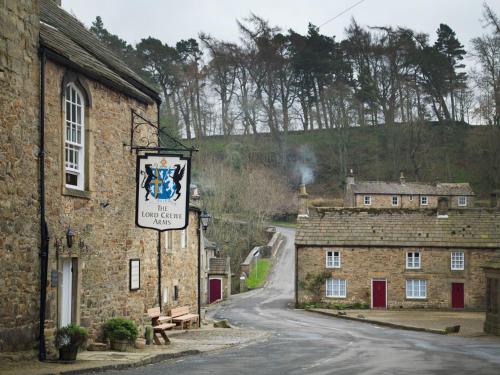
(120, 332)
(69, 339)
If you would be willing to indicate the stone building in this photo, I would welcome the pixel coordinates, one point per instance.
(402, 194)
(396, 258)
(65, 160)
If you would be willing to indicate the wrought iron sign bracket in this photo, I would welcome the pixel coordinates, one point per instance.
(152, 143)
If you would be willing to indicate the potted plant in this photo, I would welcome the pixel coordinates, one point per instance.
(120, 332)
(69, 339)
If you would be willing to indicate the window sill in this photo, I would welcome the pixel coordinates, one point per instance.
(332, 297)
(85, 194)
(420, 299)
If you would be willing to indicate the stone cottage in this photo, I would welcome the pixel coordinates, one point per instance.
(403, 194)
(396, 258)
(67, 186)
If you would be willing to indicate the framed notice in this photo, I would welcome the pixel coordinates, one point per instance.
(135, 274)
(162, 191)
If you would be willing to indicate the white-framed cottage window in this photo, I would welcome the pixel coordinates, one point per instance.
(462, 201)
(368, 200)
(416, 288)
(424, 200)
(74, 137)
(395, 200)
(336, 288)
(333, 259)
(183, 238)
(457, 260)
(413, 260)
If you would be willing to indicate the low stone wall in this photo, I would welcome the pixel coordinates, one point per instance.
(266, 251)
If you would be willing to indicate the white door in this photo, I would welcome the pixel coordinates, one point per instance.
(67, 288)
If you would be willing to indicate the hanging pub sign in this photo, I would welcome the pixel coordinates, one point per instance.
(162, 191)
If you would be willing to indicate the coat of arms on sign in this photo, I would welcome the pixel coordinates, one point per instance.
(162, 191)
(161, 182)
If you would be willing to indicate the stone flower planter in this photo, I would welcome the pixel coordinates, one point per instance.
(119, 345)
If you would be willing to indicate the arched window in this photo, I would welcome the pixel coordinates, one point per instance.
(74, 136)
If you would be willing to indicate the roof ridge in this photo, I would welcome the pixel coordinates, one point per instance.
(55, 16)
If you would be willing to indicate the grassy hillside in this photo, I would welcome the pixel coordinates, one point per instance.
(459, 153)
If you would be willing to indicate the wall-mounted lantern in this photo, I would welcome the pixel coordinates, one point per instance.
(205, 218)
(70, 234)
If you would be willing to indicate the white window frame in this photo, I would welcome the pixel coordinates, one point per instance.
(464, 202)
(367, 200)
(411, 260)
(75, 167)
(183, 238)
(457, 258)
(333, 260)
(422, 198)
(397, 201)
(339, 288)
(411, 289)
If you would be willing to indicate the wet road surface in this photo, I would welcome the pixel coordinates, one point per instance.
(307, 343)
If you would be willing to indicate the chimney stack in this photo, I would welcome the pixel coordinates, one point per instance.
(350, 177)
(443, 205)
(495, 199)
(303, 200)
(402, 178)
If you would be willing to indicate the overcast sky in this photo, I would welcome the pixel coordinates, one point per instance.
(171, 21)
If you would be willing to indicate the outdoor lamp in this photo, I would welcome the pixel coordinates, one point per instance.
(70, 234)
(205, 218)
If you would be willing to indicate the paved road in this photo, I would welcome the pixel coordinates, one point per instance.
(306, 343)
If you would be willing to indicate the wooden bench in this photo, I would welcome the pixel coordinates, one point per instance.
(160, 324)
(183, 317)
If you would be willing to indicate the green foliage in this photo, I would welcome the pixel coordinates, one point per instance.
(314, 283)
(334, 306)
(120, 329)
(71, 336)
(259, 273)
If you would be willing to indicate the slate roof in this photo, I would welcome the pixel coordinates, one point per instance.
(471, 228)
(77, 47)
(411, 188)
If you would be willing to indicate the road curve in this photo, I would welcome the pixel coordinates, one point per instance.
(307, 343)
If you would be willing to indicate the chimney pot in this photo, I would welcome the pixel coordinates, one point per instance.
(350, 177)
(303, 201)
(402, 178)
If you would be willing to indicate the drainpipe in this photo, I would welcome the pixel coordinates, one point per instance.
(44, 233)
(160, 302)
(200, 233)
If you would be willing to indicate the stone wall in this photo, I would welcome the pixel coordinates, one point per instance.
(405, 201)
(360, 265)
(180, 268)
(103, 218)
(19, 203)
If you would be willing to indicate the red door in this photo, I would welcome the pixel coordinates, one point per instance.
(457, 295)
(214, 290)
(379, 296)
